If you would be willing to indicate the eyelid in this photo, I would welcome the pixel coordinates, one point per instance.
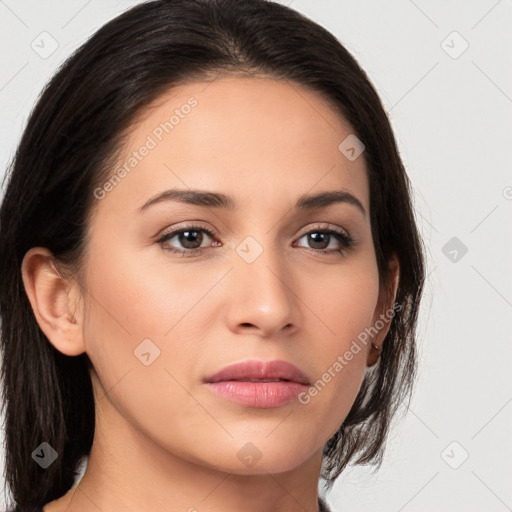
(324, 226)
(186, 226)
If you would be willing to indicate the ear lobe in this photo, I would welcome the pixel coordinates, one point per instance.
(385, 304)
(54, 300)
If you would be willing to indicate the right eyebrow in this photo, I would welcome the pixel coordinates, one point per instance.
(195, 197)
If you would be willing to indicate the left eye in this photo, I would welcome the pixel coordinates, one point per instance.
(325, 236)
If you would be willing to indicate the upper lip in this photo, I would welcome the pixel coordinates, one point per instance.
(259, 370)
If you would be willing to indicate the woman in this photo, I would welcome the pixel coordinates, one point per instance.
(211, 271)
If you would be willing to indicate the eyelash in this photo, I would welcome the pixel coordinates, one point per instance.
(343, 237)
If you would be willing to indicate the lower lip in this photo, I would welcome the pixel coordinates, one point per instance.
(258, 394)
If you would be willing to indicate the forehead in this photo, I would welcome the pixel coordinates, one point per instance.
(251, 138)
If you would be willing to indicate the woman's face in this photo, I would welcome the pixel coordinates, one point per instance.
(265, 285)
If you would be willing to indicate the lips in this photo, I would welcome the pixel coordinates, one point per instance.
(260, 371)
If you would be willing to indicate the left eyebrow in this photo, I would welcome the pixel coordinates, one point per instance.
(325, 199)
(219, 200)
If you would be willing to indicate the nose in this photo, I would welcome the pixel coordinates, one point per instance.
(262, 293)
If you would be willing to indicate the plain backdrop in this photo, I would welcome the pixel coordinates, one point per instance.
(443, 71)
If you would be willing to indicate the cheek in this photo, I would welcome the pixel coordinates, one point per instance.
(136, 306)
(344, 299)
(345, 307)
(129, 298)
(137, 315)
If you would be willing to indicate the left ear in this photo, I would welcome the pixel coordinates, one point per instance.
(385, 303)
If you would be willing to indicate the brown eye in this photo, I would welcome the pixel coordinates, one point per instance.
(189, 238)
(320, 239)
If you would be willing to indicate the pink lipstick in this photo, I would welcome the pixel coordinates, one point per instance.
(259, 384)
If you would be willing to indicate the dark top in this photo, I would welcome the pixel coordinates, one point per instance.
(321, 504)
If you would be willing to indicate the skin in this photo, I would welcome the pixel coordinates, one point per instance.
(163, 441)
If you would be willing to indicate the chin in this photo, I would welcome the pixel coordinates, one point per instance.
(259, 459)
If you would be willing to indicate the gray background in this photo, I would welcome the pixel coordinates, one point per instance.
(450, 107)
